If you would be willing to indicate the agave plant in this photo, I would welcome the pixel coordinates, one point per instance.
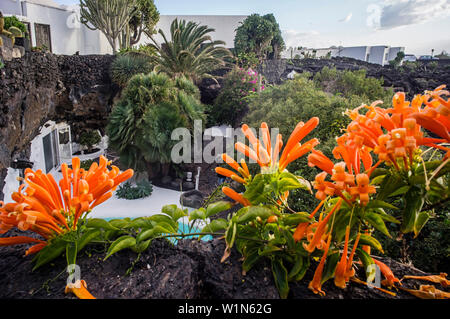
(191, 52)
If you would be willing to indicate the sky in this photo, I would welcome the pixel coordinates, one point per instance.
(417, 25)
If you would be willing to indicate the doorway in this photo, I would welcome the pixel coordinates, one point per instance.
(43, 37)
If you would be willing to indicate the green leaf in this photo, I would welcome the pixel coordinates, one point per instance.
(367, 262)
(230, 235)
(290, 242)
(119, 223)
(371, 241)
(380, 204)
(255, 190)
(215, 225)
(377, 222)
(197, 214)
(71, 253)
(390, 184)
(99, 223)
(174, 212)
(142, 246)
(158, 219)
(295, 219)
(379, 172)
(288, 181)
(420, 222)
(141, 222)
(280, 277)
(268, 250)
(152, 232)
(250, 259)
(253, 212)
(120, 244)
(330, 267)
(217, 207)
(296, 268)
(414, 200)
(402, 190)
(49, 252)
(87, 237)
(306, 263)
(386, 216)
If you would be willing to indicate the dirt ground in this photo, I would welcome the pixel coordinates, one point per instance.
(189, 270)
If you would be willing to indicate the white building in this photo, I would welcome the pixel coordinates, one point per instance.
(380, 54)
(58, 27)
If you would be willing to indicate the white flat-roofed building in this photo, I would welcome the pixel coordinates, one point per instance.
(379, 54)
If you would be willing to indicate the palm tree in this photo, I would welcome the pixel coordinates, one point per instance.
(191, 52)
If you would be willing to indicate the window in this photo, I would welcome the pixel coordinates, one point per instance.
(50, 151)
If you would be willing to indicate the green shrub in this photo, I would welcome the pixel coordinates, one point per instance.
(125, 66)
(14, 22)
(141, 190)
(87, 164)
(89, 138)
(354, 85)
(141, 123)
(247, 60)
(230, 105)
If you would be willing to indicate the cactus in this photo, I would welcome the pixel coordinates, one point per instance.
(16, 32)
(2, 22)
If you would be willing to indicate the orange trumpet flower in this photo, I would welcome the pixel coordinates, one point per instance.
(242, 174)
(321, 229)
(315, 285)
(438, 279)
(265, 156)
(79, 289)
(387, 273)
(235, 196)
(49, 210)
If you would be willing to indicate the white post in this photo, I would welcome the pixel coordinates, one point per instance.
(197, 178)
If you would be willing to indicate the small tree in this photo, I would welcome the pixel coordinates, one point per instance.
(398, 59)
(261, 35)
(191, 52)
(108, 16)
(143, 21)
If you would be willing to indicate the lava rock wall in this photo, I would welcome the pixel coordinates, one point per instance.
(413, 79)
(42, 86)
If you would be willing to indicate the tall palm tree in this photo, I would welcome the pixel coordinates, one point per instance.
(191, 52)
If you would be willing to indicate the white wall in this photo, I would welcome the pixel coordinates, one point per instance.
(225, 26)
(67, 34)
(378, 54)
(393, 52)
(11, 7)
(358, 53)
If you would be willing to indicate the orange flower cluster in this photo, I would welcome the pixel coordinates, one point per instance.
(51, 210)
(393, 134)
(343, 174)
(265, 155)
